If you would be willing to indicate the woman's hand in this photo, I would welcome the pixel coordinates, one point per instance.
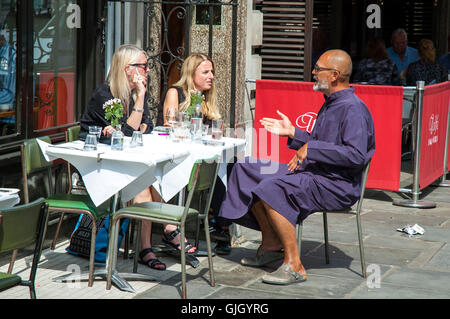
(139, 84)
(281, 127)
(298, 158)
(108, 131)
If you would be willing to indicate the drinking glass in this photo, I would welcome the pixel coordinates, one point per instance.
(90, 144)
(117, 139)
(181, 132)
(171, 116)
(217, 129)
(196, 128)
(137, 139)
(95, 130)
(205, 128)
(184, 117)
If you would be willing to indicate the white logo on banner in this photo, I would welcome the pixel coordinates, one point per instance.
(307, 121)
(433, 127)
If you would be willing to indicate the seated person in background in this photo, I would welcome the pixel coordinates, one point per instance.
(377, 67)
(324, 174)
(400, 52)
(127, 80)
(7, 79)
(197, 74)
(445, 59)
(427, 68)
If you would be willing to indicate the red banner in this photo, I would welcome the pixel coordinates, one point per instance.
(301, 104)
(434, 130)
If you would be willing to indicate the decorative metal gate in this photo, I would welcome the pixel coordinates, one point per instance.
(168, 40)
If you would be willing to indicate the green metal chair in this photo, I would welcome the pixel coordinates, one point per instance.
(203, 177)
(70, 135)
(32, 161)
(21, 226)
(32, 164)
(348, 210)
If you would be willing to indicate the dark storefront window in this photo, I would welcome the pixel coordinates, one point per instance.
(54, 61)
(8, 47)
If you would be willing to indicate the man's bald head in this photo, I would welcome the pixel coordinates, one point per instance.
(339, 60)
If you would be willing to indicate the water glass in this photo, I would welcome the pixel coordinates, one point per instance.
(184, 117)
(171, 116)
(181, 132)
(90, 144)
(205, 128)
(117, 139)
(95, 130)
(196, 128)
(217, 129)
(137, 139)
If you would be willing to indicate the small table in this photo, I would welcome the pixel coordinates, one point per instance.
(161, 162)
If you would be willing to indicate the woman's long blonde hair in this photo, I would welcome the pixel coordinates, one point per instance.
(190, 65)
(117, 77)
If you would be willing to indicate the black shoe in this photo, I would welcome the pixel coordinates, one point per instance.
(221, 235)
(222, 248)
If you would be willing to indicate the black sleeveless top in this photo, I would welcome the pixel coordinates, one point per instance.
(181, 98)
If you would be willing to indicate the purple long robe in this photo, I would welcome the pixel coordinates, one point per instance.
(341, 143)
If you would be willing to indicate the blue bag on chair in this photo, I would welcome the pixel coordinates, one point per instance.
(101, 241)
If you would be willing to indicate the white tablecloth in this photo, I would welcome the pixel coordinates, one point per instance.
(161, 162)
(9, 197)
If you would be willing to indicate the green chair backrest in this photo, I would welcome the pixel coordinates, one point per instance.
(32, 156)
(203, 178)
(19, 225)
(72, 133)
(206, 175)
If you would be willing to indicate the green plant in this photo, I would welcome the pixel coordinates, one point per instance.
(113, 111)
(196, 99)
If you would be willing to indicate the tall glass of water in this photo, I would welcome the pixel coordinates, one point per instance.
(217, 129)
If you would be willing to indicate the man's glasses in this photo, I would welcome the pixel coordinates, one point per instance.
(142, 65)
(318, 69)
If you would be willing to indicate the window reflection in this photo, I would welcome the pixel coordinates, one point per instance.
(54, 61)
(8, 41)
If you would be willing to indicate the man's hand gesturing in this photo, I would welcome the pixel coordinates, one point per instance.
(281, 127)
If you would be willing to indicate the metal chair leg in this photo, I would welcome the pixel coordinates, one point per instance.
(361, 245)
(299, 229)
(137, 246)
(92, 253)
(325, 235)
(197, 232)
(12, 261)
(183, 262)
(208, 247)
(58, 228)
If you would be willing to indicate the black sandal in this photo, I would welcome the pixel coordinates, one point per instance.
(168, 237)
(153, 263)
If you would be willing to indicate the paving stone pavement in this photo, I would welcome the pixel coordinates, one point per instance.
(399, 266)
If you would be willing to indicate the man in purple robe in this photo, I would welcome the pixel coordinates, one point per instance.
(325, 173)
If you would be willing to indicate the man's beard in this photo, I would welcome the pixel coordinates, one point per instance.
(320, 86)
